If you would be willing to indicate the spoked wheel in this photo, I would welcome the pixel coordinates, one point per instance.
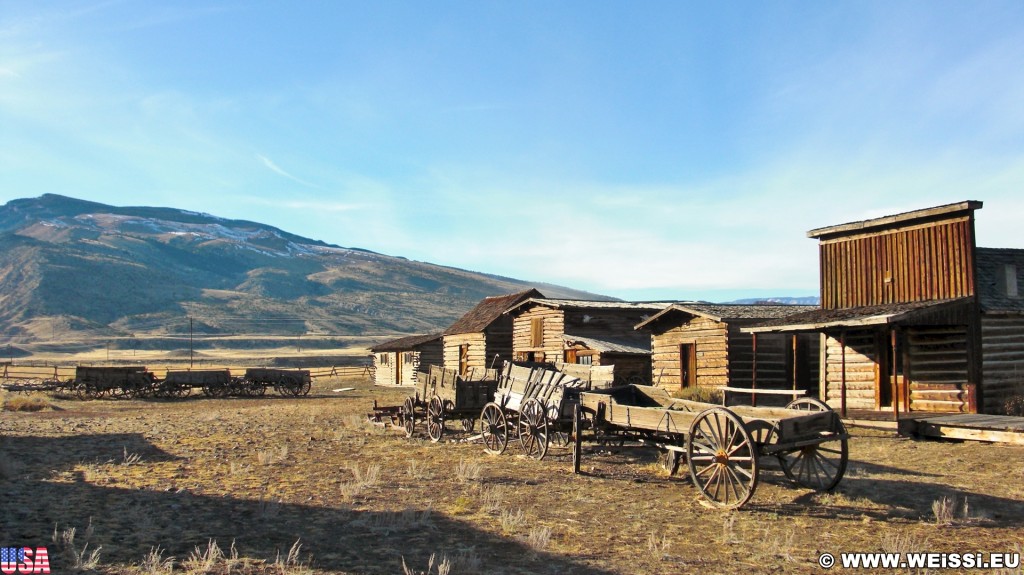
(577, 438)
(494, 429)
(533, 429)
(435, 419)
(468, 424)
(820, 466)
(409, 416)
(559, 437)
(722, 458)
(808, 404)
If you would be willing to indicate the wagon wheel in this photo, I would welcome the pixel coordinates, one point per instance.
(820, 466)
(82, 391)
(722, 458)
(468, 424)
(808, 404)
(577, 437)
(184, 390)
(306, 386)
(409, 416)
(435, 419)
(672, 458)
(494, 429)
(559, 437)
(533, 428)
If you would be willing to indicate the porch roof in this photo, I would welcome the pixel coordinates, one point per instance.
(606, 345)
(408, 343)
(819, 320)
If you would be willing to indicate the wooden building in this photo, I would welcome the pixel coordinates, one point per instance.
(482, 338)
(597, 333)
(398, 361)
(915, 317)
(700, 344)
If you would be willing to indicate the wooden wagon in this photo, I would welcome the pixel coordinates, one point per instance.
(533, 403)
(441, 396)
(213, 382)
(293, 382)
(119, 382)
(722, 446)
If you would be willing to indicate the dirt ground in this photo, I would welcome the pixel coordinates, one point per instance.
(235, 485)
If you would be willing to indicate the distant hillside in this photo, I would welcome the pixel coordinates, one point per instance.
(806, 300)
(71, 266)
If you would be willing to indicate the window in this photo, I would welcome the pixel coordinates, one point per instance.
(408, 357)
(383, 359)
(585, 359)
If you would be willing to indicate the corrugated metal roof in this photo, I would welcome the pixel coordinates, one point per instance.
(407, 343)
(588, 304)
(725, 312)
(488, 310)
(606, 345)
(994, 266)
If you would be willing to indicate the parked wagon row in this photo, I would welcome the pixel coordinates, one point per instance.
(136, 381)
(723, 447)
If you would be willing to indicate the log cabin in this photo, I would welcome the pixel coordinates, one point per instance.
(595, 333)
(482, 338)
(700, 344)
(914, 317)
(397, 362)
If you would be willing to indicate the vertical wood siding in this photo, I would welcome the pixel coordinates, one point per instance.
(929, 262)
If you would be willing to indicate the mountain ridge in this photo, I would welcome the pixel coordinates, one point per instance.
(86, 267)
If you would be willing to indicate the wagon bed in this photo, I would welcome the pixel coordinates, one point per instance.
(722, 445)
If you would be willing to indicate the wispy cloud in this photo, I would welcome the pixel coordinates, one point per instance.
(281, 172)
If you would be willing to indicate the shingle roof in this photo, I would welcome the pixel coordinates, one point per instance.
(407, 343)
(488, 310)
(588, 304)
(726, 312)
(861, 316)
(992, 280)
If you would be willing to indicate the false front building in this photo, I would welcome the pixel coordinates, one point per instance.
(913, 316)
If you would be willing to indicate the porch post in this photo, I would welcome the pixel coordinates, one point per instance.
(892, 383)
(842, 374)
(753, 379)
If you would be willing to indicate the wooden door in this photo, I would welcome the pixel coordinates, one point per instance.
(687, 365)
(398, 368)
(464, 359)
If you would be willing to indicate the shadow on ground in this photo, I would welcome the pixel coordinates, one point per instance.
(128, 523)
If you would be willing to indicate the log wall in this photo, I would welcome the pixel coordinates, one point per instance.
(861, 358)
(553, 328)
(933, 261)
(477, 350)
(1002, 350)
(936, 367)
(711, 346)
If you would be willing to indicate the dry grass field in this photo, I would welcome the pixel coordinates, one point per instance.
(305, 485)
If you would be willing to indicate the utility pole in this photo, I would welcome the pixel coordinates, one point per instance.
(190, 360)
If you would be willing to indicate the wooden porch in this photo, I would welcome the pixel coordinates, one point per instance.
(965, 426)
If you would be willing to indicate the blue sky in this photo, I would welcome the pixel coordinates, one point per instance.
(647, 150)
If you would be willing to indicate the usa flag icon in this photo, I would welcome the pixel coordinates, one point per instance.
(24, 561)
